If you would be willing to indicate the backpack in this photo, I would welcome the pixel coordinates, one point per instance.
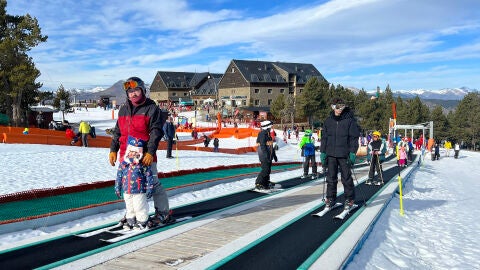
(309, 149)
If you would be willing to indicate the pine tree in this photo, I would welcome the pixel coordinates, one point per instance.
(18, 34)
(441, 126)
(467, 120)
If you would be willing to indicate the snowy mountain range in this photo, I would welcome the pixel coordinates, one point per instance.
(442, 94)
(456, 94)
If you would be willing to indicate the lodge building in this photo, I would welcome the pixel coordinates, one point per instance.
(245, 83)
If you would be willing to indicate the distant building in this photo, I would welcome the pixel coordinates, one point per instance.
(258, 83)
(244, 84)
(184, 88)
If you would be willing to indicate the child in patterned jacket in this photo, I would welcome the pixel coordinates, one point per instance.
(136, 181)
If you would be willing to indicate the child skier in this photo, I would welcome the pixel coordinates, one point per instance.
(457, 150)
(402, 153)
(376, 156)
(308, 149)
(136, 181)
(71, 135)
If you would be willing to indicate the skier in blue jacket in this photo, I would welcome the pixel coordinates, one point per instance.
(307, 144)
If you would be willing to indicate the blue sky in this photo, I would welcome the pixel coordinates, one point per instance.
(424, 44)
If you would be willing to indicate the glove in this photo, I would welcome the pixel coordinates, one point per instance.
(352, 157)
(323, 159)
(119, 195)
(147, 159)
(112, 157)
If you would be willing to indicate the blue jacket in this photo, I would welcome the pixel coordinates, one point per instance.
(133, 178)
(169, 130)
(307, 144)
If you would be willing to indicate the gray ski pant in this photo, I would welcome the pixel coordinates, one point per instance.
(160, 198)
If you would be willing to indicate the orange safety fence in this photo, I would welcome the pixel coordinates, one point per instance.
(55, 137)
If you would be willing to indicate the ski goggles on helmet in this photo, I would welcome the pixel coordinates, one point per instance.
(130, 84)
(338, 106)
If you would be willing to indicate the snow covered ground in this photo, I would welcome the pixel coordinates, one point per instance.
(439, 229)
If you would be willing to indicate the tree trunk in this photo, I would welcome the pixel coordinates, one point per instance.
(17, 112)
(17, 115)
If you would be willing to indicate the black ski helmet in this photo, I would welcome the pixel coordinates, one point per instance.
(134, 81)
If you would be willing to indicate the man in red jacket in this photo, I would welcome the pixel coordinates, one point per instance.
(141, 118)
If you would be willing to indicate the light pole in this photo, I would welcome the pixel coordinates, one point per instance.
(217, 96)
(194, 105)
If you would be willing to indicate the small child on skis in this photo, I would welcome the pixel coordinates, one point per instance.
(136, 181)
(307, 145)
(402, 161)
(71, 135)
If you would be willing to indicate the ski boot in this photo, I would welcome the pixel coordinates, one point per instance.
(162, 219)
(348, 205)
(369, 181)
(329, 203)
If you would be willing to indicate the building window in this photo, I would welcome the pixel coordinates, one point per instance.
(185, 94)
(269, 102)
(269, 91)
(174, 94)
(256, 91)
(282, 91)
(256, 102)
(301, 90)
(233, 70)
(244, 102)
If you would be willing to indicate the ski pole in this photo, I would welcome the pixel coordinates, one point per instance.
(355, 176)
(400, 192)
(176, 149)
(325, 180)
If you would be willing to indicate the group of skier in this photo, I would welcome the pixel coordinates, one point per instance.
(338, 148)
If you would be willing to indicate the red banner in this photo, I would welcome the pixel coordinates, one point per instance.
(394, 110)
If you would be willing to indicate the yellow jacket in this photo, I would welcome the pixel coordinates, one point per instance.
(448, 145)
(84, 127)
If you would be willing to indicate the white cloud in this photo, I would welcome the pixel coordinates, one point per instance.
(339, 36)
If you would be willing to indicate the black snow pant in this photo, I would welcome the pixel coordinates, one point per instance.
(169, 147)
(332, 178)
(306, 165)
(374, 166)
(263, 177)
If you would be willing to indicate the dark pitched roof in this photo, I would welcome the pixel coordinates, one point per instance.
(173, 79)
(205, 85)
(303, 71)
(259, 71)
(269, 72)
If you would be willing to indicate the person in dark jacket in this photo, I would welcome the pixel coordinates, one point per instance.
(339, 145)
(265, 154)
(206, 140)
(216, 143)
(436, 148)
(169, 131)
(141, 118)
